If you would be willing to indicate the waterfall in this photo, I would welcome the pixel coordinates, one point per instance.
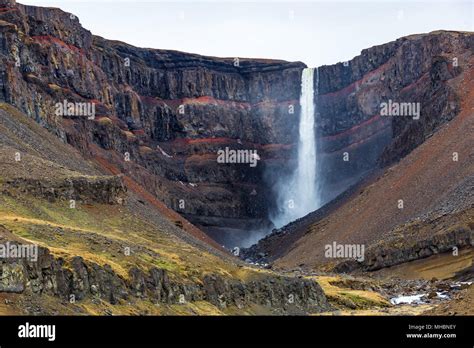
(300, 195)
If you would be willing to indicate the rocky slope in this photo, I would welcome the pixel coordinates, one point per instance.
(79, 280)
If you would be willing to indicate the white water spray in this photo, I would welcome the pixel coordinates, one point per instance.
(300, 196)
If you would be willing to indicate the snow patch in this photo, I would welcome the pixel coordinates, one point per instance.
(410, 299)
(163, 152)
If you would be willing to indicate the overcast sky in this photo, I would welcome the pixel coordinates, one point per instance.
(314, 32)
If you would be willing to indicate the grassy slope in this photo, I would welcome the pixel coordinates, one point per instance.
(99, 233)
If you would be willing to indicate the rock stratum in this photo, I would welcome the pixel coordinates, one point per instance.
(116, 249)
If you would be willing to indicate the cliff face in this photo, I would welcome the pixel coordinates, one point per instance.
(414, 69)
(160, 116)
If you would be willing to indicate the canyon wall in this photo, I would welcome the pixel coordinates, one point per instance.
(161, 116)
(354, 137)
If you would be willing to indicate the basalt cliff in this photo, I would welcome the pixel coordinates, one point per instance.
(169, 111)
(130, 204)
(161, 116)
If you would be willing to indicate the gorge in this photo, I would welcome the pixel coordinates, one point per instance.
(189, 156)
(155, 102)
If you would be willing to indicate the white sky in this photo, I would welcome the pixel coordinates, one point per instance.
(314, 32)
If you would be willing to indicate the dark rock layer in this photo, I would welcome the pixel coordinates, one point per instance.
(387, 256)
(414, 69)
(106, 189)
(77, 280)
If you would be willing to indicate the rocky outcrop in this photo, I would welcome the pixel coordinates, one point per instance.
(76, 280)
(105, 189)
(382, 256)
